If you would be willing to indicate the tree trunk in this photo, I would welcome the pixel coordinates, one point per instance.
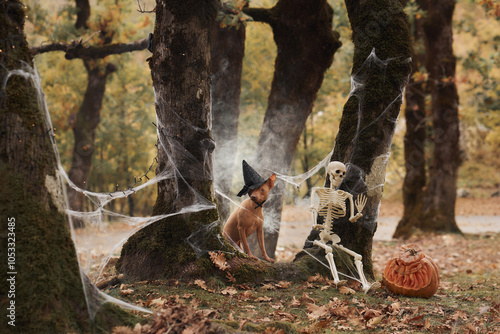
(306, 44)
(180, 68)
(42, 283)
(87, 120)
(414, 142)
(228, 48)
(439, 204)
(369, 117)
(431, 207)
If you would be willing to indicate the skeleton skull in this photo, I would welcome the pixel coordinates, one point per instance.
(336, 170)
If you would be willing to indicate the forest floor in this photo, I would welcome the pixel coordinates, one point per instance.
(467, 301)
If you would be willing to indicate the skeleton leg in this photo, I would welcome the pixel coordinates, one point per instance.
(359, 266)
(331, 262)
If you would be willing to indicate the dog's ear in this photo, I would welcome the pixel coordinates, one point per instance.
(271, 180)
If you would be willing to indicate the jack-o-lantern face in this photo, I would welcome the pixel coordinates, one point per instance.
(412, 274)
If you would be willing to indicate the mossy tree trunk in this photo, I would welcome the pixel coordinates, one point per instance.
(306, 44)
(45, 288)
(228, 48)
(180, 68)
(369, 117)
(434, 208)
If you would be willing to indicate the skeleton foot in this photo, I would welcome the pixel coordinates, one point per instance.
(367, 287)
(372, 287)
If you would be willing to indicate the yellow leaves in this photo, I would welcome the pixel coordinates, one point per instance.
(145, 23)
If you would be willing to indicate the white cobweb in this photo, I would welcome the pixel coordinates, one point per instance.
(92, 267)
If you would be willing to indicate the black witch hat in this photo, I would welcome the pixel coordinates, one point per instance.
(252, 179)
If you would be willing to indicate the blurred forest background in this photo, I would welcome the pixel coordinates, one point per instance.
(126, 136)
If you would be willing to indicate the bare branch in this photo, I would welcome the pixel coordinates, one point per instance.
(143, 9)
(76, 49)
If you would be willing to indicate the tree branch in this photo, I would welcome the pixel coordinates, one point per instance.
(76, 49)
(260, 14)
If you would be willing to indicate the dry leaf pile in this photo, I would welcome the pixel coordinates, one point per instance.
(468, 300)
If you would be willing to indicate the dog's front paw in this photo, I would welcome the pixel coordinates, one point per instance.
(270, 260)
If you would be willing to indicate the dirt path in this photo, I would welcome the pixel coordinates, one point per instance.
(475, 216)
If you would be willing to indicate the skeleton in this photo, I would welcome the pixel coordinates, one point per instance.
(332, 205)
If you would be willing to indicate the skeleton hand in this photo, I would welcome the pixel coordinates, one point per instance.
(317, 227)
(360, 202)
(356, 217)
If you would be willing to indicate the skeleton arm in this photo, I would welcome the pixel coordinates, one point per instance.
(360, 205)
(314, 209)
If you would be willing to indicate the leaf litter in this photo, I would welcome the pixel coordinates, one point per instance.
(468, 300)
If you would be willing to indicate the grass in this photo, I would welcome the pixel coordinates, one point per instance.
(463, 304)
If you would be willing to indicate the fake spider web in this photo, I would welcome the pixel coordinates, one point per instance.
(92, 268)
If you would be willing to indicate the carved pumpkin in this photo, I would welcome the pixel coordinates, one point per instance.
(412, 274)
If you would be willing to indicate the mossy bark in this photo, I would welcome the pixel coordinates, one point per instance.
(370, 115)
(180, 68)
(306, 44)
(45, 286)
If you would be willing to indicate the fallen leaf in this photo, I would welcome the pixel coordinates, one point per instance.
(263, 299)
(158, 301)
(207, 313)
(371, 313)
(272, 330)
(230, 277)
(316, 312)
(242, 323)
(295, 302)
(346, 291)
(268, 287)
(283, 284)
(219, 260)
(284, 316)
(244, 296)
(306, 299)
(126, 292)
(229, 291)
(373, 322)
(276, 306)
(201, 283)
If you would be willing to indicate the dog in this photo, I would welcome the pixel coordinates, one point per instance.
(249, 218)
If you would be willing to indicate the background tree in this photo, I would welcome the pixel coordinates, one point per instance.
(86, 141)
(228, 48)
(306, 45)
(438, 203)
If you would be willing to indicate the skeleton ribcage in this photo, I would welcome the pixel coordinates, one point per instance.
(331, 204)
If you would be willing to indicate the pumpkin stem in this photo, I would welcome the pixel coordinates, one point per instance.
(412, 251)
